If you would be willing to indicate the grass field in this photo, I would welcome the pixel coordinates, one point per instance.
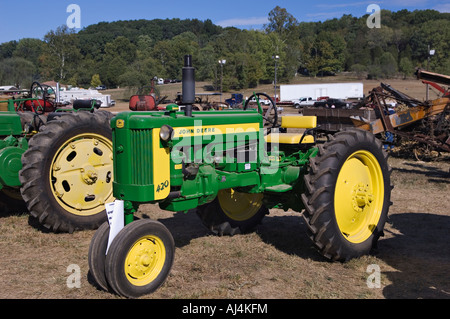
(276, 261)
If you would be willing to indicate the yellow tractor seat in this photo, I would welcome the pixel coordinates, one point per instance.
(305, 122)
(288, 138)
(299, 121)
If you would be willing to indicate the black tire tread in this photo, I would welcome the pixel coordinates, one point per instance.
(32, 177)
(318, 197)
(97, 256)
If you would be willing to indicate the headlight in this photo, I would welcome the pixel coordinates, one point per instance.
(166, 133)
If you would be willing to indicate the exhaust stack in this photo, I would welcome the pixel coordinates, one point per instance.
(188, 85)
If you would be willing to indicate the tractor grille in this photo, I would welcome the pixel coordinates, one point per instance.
(141, 157)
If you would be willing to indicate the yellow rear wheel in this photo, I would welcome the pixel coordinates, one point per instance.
(239, 206)
(233, 212)
(347, 195)
(81, 174)
(359, 196)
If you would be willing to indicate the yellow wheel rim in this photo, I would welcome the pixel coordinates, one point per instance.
(81, 174)
(145, 260)
(359, 196)
(239, 206)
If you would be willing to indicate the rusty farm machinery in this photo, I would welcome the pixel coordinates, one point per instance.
(419, 127)
(406, 125)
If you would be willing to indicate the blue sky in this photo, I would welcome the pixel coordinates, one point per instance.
(33, 19)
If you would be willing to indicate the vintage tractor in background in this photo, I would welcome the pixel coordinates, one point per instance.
(147, 98)
(222, 165)
(55, 162)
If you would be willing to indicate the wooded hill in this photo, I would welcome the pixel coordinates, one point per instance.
(130, 53)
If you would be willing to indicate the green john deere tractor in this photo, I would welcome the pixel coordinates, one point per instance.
(55, 162)
(222, 164)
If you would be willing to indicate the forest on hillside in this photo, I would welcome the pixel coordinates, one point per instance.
(131, 53)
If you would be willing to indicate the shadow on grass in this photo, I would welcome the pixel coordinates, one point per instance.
(286, 233)
(420, 254)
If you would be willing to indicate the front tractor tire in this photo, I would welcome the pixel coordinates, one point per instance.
(139, 259)
(67, 172)
(347, 195)
(233, 212)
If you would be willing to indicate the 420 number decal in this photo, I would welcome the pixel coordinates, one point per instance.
(162, 186)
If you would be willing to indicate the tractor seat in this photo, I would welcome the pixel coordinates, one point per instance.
(300, 122)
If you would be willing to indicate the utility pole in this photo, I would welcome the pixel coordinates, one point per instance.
(276, 58)
(430, 53)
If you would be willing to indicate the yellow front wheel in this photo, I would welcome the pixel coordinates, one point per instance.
(347, 195)
(140, 258)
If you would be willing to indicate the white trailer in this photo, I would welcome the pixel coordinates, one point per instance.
(68, 96)
(333, 90)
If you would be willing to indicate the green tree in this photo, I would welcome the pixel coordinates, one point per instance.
(144, 46)
(140, 73)
(86, 69)
(206, 64)
(29, 49)
(7, 49)
(287, 44)
(121, 48)
(320, 58)
(119, 54)
(112, 69)
(359, 70)
(162, 53)
(16, 71)
(434, 33)
(334, 53)
(61, 54)
(388, 65)
(95, 81)
(281, 22)
(406, 67)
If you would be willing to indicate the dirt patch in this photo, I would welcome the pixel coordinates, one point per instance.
(276, 261)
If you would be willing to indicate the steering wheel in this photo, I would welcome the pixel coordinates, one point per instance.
(40, 92)
(265, 105)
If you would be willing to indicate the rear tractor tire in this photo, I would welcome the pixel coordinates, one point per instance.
(233, 212)
(67, 172)
(347, 195)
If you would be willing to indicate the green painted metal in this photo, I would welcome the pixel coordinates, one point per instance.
(207, 154)
(10, 124)
(12, 146)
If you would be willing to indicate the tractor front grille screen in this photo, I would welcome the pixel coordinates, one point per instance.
(141, 157)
